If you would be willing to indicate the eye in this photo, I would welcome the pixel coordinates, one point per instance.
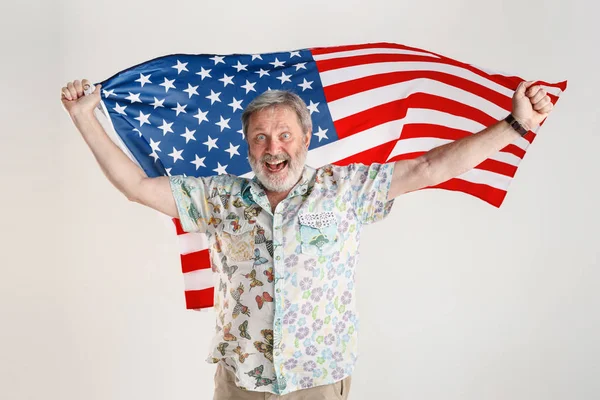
(286, 135)
(260, 137)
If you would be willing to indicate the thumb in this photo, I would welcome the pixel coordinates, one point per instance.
(523, 86)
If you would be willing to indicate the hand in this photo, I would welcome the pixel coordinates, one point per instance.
(530, 105)
(75, 101)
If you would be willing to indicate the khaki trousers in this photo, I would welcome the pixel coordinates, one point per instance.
(226, 389)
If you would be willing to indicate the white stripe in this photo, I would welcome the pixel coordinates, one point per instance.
(405, 146)
(550, 89)
(492, 179)
(364, 52)
(360, 71)
(198, 280)
(192, 242)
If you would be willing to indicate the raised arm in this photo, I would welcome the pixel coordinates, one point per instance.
(121, 171)
(530, 106)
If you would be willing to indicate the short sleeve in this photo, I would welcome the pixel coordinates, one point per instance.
(190, 194)
(369, 188)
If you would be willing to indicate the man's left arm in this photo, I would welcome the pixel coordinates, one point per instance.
(530, 106)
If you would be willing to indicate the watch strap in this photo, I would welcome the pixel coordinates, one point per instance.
(516, 125)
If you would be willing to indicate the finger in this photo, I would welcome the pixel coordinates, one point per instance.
(538, 96)
(523, 87)
(78, 88)
(541, 104)
(532, 91)
(86, 84)
(65, 94)
(72, 90)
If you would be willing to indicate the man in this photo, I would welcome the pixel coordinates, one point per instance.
(284, 244)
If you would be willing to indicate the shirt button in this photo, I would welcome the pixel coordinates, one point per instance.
(278, 258)
(278, 290)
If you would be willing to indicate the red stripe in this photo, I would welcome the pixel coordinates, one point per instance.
(178, 227)
(509, 82)
(378, 154)
(486, 193)
(195, 261)
(379, 45)
(200, 298)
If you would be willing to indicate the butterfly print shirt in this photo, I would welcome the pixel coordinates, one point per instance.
(284, 281)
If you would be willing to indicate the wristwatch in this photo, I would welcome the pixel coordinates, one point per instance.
(516, 125)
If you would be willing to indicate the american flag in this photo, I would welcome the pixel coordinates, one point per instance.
(375, 102)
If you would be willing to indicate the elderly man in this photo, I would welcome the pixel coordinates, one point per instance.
(284, 245)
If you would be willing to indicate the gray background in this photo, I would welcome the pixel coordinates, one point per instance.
(458, 299)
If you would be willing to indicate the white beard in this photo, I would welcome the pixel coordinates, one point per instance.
(273, 181)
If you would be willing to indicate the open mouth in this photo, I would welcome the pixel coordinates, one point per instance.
(276, 166)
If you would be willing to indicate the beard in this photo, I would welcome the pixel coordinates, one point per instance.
(283, 179)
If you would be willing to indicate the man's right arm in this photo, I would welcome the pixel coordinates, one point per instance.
(120, 170)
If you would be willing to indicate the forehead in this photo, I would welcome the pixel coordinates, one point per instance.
(276, 117)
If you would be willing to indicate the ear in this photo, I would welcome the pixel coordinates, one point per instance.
(307, 137)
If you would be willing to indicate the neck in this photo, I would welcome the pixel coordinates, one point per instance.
(276, 197)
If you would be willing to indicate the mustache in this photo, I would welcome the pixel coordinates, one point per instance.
(275, 157)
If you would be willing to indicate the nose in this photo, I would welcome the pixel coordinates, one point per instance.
(272, 146)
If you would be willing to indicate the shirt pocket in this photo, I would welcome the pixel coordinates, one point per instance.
(318, 233)
(236, 240)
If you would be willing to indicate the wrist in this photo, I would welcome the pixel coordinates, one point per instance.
(82, 116)
(517, 125)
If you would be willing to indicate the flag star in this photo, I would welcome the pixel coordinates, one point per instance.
(198, 162)
(249, 86)
(277, 63)
(211, 143)
(255, 56)
(306, 85)
(241, 132)
(321, 134)
(166, 127)
(169, 171)
(179, 109)
(143, 118)
(240, 66)
(284, 78)
(188, 135)
(176, 154)
(300, 66)
(227, 80)
(218, 59)
(143, 79)
(154, 155)
(204, 73)
(235, 104)
(168, 84)
(312, 107)
(223, 123)
(180, 67)
(108, 93)
(134, 98)
(213, 97)
(154, 145)
(158, 103)
(191, 90)
(201, 116)
(262, 72)
(120, 109)
(294, 54)
(138, 132)
(220, 169)
(232, 150)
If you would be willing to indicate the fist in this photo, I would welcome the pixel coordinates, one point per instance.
(75, 101)
(531, 104)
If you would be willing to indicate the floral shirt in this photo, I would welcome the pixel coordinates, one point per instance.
(284, 281)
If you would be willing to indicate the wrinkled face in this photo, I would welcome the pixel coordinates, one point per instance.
(277, 148)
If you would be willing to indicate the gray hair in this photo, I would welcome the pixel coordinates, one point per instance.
(274, 98)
